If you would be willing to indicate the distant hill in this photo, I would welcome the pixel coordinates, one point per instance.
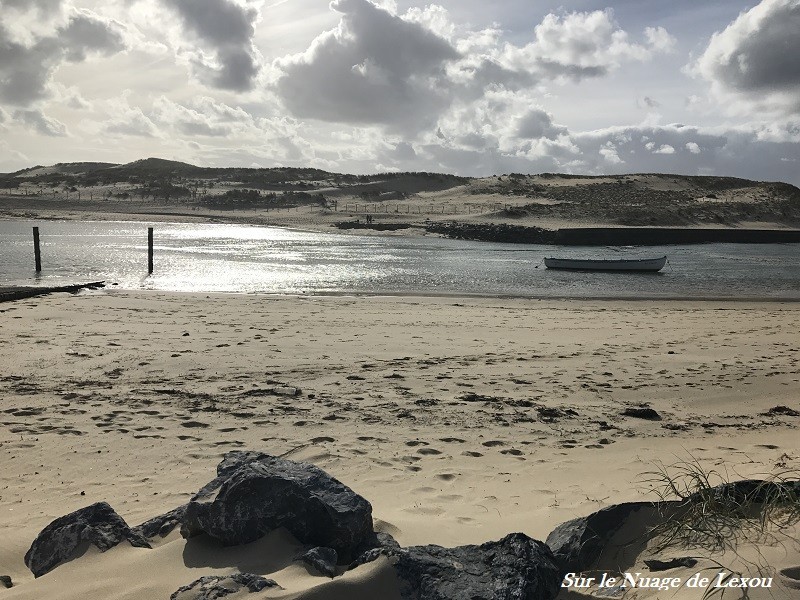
(643, 198)
(544, 199)
(74, 168)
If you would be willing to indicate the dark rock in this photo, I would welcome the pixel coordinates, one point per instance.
(5, 580)
(514, 568)
(255, 493)
(578, 544)
(642, 412)
(212, 587)
(62, 539)
(322, 559)
(162, 525)
(751, 491)
(655, 564)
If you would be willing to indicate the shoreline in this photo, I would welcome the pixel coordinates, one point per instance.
(8, 294)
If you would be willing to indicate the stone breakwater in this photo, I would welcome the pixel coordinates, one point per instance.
(589, 236)
(610, 236)
(255, 493)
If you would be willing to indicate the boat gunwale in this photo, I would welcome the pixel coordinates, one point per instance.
(616, 265)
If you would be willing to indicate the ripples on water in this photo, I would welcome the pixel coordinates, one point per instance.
(248, 259)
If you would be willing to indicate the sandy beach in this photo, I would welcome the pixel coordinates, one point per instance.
(460, 420)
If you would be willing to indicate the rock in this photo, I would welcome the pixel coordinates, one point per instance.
(5, 581)
(642, 412)
(514, 568)
(578, 544)
(751, 491)
(655, 564)
(212, 587)
(322, 559)
(62, 539)
(255, 493)
(162, 525)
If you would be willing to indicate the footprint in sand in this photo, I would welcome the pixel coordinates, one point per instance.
(321, 439)
(512, 452)
(429, 451)
(446, 476)
(413, 443)
(471, 453)
(493, 443)
(452, 440)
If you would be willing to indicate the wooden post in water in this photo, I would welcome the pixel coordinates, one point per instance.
(149, 250)
(37, 253)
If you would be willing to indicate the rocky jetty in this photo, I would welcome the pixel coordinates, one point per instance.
(610, 236)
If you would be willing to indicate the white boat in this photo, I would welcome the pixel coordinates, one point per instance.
(650, 265)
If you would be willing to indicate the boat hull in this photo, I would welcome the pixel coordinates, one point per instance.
(644, 265)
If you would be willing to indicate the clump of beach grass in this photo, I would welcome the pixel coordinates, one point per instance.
(706, 509)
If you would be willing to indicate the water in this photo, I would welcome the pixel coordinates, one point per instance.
(250, 259)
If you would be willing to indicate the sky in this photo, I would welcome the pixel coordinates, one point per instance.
(460, 86)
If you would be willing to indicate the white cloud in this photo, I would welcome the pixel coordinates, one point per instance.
(754, 59)
(26, 69)
(665, 149)
(405, 71)
(693, 147)
(609, 153)
(124, 119)
(373, 68)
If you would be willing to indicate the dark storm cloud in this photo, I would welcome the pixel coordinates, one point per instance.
(758, 53)
(26, 70)
(228, 29)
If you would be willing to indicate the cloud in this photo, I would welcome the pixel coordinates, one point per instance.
(191, 121)
(583, 44)
(39, 122)
(537, 123)
(226, 27)
(609, 152)
(43, 6)
(124, 120)
(373, 68)
(404, 71)
(755, 57)
(26, 69)
(650, 102)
